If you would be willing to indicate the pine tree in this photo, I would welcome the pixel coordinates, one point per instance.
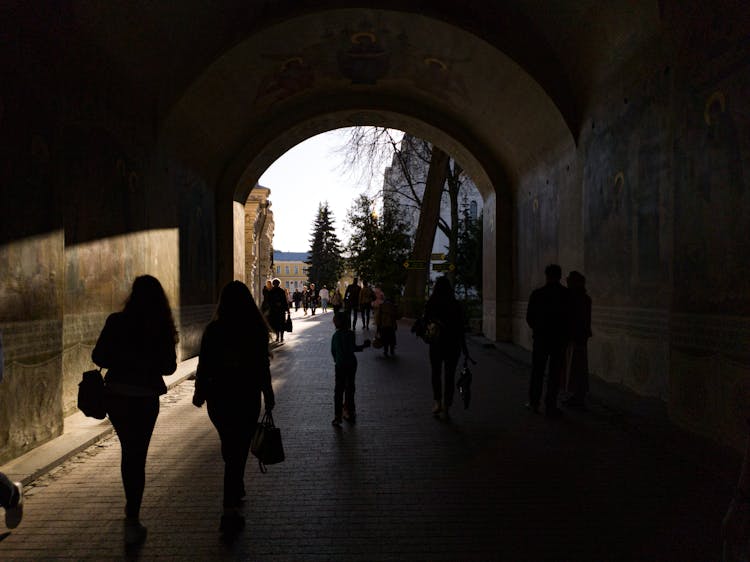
(324, 258)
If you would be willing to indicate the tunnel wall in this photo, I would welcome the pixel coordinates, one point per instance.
(663, 159)
(88, 203)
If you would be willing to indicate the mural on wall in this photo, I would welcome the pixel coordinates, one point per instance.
(292, 75)
(627, 177)
(363, 54)
(712, 272)
(538, 222)
(607, 218)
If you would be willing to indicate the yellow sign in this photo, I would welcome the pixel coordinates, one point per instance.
(445, 266)
(415, 264)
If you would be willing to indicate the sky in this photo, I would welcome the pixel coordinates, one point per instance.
(310, 173)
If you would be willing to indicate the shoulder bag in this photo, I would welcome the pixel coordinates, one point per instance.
(91, 394)
(266, 444)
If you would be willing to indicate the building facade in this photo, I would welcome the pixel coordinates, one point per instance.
(259, 226)
(403, 188)
(291, 269)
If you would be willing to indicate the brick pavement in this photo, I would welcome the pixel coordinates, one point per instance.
(494, 483)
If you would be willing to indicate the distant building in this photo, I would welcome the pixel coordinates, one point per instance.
(291, 269)
(414, 165)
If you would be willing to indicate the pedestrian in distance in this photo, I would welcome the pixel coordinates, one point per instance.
(386, 323)
(296, 297)
(305, 300)
(351, 301)
(336, 300)
(277, 309)
(547, 316)
(233, 371)
(313, 298)
(579, 332)
(137, 347)
(324, 294)
(11, 493)
(445, 318)
(366, 296)
(343, 347)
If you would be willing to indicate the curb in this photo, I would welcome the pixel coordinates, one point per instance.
(79, 433)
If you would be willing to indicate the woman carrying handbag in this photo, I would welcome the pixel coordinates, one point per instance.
(137, 346)
(233, 372)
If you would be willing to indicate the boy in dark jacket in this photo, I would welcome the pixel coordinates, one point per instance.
(343, 347)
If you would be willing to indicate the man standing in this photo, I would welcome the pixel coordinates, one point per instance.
(546, 315)
(351, 301)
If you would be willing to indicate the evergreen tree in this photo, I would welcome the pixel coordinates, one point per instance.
(324, 258)
(469, 254)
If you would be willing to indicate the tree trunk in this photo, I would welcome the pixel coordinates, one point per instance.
(416, 279)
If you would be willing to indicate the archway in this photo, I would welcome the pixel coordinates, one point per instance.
(331, 69)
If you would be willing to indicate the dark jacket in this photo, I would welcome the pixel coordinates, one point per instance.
(450, 319)
(343, 346)
(547, 313)
(233, 365)
(133, 357)
(351, 297)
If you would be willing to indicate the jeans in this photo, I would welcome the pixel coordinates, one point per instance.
(365, 315)
(443, 362)
(542, 353)
(235, 423)
(354, 311)
(133, 418)
(344, 390)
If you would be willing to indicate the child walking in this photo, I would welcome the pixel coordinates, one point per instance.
(343, 346)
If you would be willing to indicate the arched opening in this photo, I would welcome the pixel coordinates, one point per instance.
(431, 79)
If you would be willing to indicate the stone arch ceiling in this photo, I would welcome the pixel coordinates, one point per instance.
(293, 78)
(387, 64)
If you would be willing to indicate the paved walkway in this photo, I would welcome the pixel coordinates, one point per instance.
(495, 483)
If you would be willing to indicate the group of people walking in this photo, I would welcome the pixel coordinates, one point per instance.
(137, 347)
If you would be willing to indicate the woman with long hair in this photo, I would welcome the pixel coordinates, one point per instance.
(137, 346)
(233, 372)
(445, 321)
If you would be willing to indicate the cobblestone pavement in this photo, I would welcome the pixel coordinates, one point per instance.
(495, 483)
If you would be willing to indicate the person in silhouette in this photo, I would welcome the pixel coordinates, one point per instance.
(11, 493)
(547, 316)
(233, 371)
(343, 347)
(445, 320)
(579, 332)
(351, 301)
(386, 316)
(366, 296)
(278, 307)
(137, 347)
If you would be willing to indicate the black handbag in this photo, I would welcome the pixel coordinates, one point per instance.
(288, 323)
(91, 395)
(266, 444)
